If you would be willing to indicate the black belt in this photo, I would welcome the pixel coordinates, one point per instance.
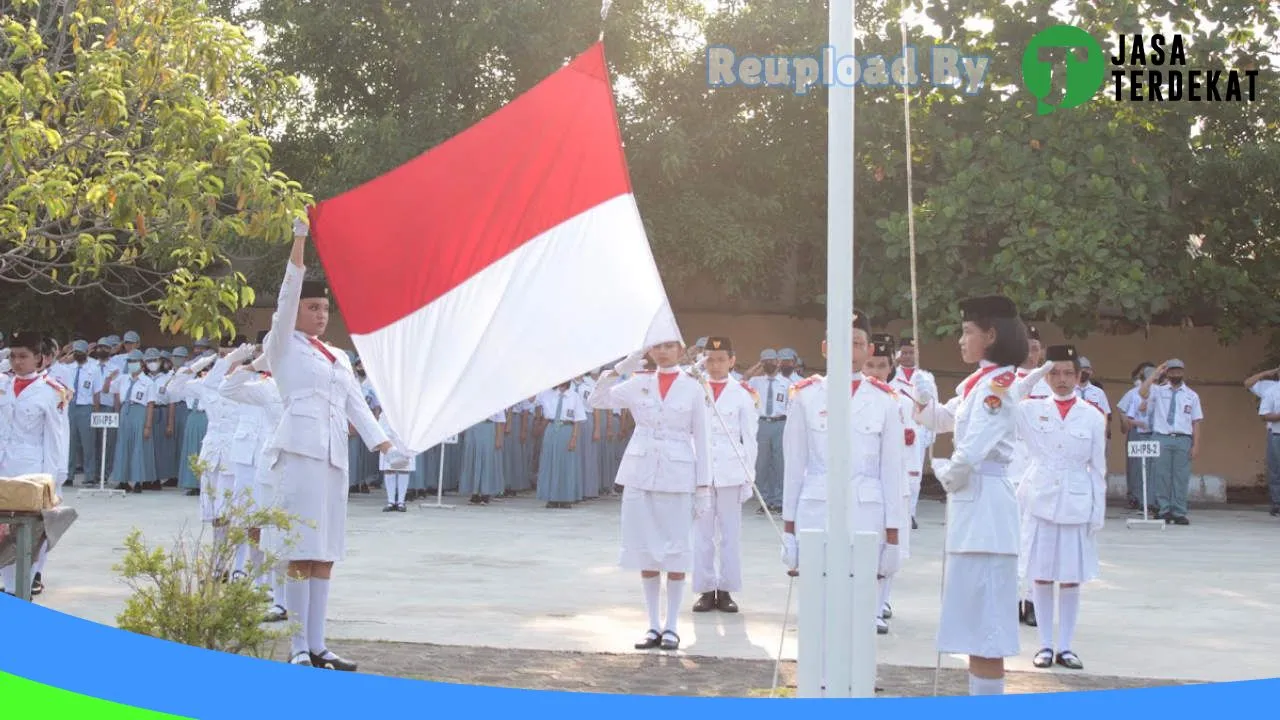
(780, 418)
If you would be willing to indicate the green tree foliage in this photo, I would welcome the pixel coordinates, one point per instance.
(134, 166)
(1076, 215)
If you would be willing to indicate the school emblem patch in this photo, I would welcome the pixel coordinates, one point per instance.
(910, 436)
(993, 404)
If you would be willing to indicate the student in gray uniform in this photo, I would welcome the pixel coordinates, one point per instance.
(559, 470)
(1175, 424)
(178, 411)
(135, 402)
(83, 377)
(482, 467)
(772, 387)
(589, 442)
(163, 438)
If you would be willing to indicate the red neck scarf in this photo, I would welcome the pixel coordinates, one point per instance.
(20, 384)
(907, 372)
(717, 387)
(1064, 406)
(665, 379)
(315, 343)
(974, 378)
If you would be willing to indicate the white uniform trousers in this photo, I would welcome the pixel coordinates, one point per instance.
(725, 518)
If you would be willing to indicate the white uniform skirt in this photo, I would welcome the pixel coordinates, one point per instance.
(980, 606)
(247, 486)
(1061, 553)
(217, 484)
(314, 493)
(657, 531)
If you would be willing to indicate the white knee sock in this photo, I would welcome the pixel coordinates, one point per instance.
(256, 560)
(389, 484)
(297, 601)
(402, 488)
(1069, 597)
(885, 585)
(242, 557)
(652, 590)
(1029, 593)
(1043, 593)
(40, 558)
(278, 576)
(316, 614)
(985, 686)
(675, 595)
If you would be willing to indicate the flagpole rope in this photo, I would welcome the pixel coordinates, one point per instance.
(604, 15)
(915, 293)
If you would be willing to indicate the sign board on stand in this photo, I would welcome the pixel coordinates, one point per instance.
(1145, 450)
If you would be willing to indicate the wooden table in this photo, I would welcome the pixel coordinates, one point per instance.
(23, 525)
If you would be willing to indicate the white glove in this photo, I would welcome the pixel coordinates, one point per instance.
(702, 502)
(201, 363)
(890, 560)
(790, 552)
(745, 492)
(923, 396)
(240, 354)
(633, 363)
(300, 227)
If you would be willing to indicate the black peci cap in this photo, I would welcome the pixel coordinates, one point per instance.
(882, 345)
(716, 342)
(988, 307)
(1061, 353)
(315, 289)
(29, 339)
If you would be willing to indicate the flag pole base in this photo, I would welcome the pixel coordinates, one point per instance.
(1144, 524)
(437, 505)
(100, 492)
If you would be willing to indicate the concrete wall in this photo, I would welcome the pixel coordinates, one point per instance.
(1232, 459)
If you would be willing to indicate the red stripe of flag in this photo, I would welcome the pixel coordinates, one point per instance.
(405, 239)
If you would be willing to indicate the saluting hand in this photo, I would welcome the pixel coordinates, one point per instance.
(383, 447)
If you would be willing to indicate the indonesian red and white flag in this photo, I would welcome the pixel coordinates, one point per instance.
(500, 263)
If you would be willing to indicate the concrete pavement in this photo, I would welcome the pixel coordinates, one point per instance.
(1198, 603)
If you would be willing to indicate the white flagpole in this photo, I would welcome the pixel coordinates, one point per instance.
(840, 152)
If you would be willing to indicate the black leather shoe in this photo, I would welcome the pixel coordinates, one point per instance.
(1181, 520)
(302, 658)
(1275, 511)
(329, 660)
(389, 508)
(725, 603)
(652, 639)
(1044, 658)
(1028, 613)
(914, 524)
(1069, 660)
(37, 585)
(670, 640)
(706, 602)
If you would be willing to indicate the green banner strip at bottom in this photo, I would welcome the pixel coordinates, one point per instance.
(22, 698)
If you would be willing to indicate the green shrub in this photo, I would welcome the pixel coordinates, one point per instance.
(185, 593)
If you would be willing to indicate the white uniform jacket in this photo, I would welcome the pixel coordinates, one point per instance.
(321, 396)
(1065, 478)
(982, 511)
(670, 448)
(738, 405)
(876, 495)
(215, 449)
(35, 434)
